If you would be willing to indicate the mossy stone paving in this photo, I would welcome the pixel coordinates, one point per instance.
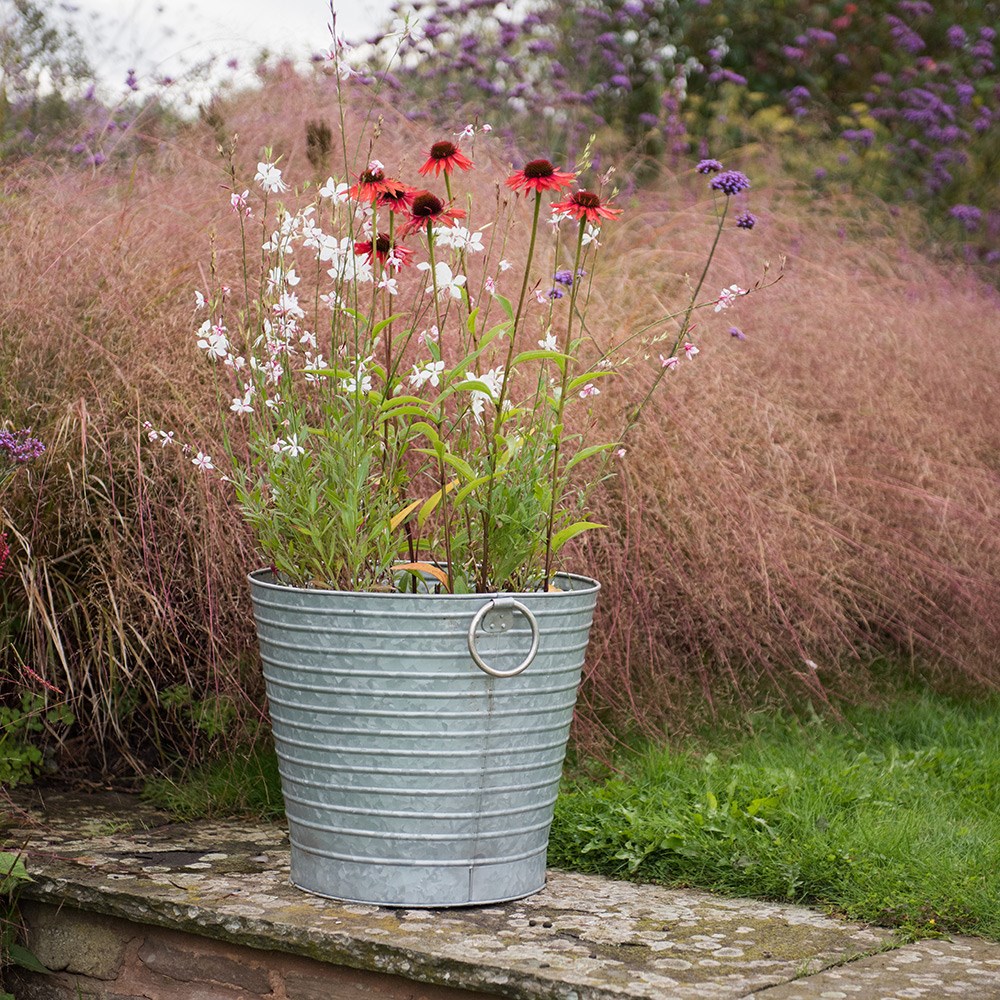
(582, 938)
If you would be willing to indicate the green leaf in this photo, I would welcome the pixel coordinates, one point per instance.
(505, 306)
(560, 538)
(20, 955)
(12, 871)
(470, 323)
(584, 379)
(586, 453)
(541, 354)
(379, 327)
(475, 484)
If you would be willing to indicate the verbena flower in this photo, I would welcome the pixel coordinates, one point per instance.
(709, 167)
(746, 220)
(539, 175)
(730, 182)
(445, 157)
(586, 206)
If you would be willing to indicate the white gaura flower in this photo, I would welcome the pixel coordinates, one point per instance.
(292, 448)
(669, 363)
(589, 390)
(728, 296)
(335, 190)
(590, 236)
(214, 340)
(431, 372)
(241, 404)
(493, 380)
(202, 462)
(314, 365)
(199, 300)
(505, 265)
(390, 285)
(447, 282)
(549, 343)
(268, 176)
(359, 381)
(690, 351)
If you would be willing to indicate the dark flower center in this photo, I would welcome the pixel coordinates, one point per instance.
(442, 150)
(538, 168)
(426, 206)
(587, 199)
(383, 244)
(372, 176)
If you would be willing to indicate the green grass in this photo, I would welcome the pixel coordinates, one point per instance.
(244, 782)
(890, 816)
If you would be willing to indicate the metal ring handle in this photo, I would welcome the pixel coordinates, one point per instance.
(503, 603)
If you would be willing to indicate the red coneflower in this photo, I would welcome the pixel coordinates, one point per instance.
(539, 175)
(384, 249)
(586, 205)
(396, 196)
(427, 207)
(371, 183)
(445, 156)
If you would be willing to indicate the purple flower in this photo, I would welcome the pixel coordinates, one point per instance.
(730, 182)
(968, 215)
(746, 220)
(864, 136)
(131, 81)
(735, 331)
(20, 446)
(555, 293)
(709, 167)
(956, 36)
(564, 277)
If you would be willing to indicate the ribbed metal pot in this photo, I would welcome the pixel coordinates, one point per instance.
(411, 775)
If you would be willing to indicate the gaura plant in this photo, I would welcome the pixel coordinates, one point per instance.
(403, 391)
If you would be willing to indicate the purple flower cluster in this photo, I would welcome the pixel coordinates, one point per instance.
(19, 446)
(730, 182)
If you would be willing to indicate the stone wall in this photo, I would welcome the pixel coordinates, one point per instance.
(95, 957)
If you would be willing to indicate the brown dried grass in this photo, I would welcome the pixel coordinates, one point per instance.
(825, 492)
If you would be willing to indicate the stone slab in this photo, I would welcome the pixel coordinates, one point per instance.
(581, 938)
(926, 970)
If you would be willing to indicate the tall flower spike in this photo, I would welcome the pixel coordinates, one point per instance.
(586, 205)
(445, 156)
(539, 175)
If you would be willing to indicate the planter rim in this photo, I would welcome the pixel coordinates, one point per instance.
(264, 578)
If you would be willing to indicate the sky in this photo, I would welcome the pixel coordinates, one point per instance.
(166, 37)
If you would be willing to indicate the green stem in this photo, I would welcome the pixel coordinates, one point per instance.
(557, 430)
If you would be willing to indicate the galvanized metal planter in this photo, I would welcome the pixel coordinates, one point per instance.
(421, 736)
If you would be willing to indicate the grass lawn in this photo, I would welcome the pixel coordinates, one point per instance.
(889, 815)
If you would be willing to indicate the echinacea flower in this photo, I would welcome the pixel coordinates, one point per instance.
(427, 207)
(385, 249)
(395, 195)
(445, 156)
(585, 205)
(371, 182)
(539, 175)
